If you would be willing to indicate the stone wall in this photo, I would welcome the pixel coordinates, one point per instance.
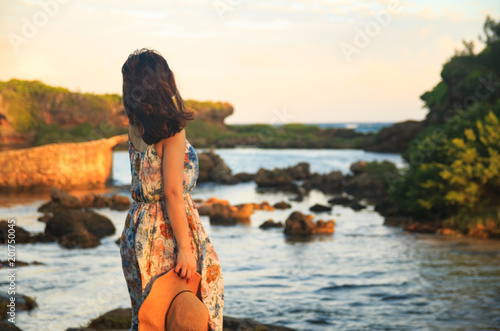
(65, 165)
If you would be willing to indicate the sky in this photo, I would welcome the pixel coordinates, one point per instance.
(275, 61)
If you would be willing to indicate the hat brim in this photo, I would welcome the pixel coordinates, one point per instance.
(154, 308)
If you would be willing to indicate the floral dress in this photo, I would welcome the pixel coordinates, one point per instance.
(148, 247)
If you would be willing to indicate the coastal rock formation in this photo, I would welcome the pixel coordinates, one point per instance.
(212, 168)
(396, 138)
(21, 235)
(75, 228)
(23, 303)
(298, 224)
(64, 165)
(271, 224)
(328, 183)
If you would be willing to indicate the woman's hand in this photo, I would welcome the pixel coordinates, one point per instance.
(186, 263)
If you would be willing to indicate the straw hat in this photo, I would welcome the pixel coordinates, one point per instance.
(174, 304)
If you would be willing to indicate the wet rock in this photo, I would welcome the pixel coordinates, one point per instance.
(43, 238)
(399, 221)
(76, 228)
(357, 167)
(244, 177)
(60, 200)
(229, 215)
(212, 168)
(21, 235)
(356, 206)
(119, 202)
(23, 303)
(270, 224)
(320, 208)
(263, 206)
(330, 183)
(282, 178)
(19, 263)
(298, 224)
(344, 201)
(395, 138)
(80, 239)
(44, 218)
(282, 205)
(7, 326)
(364, 186)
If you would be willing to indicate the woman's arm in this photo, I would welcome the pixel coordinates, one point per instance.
(173, 175)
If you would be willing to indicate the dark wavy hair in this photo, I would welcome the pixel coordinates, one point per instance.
(150, 96)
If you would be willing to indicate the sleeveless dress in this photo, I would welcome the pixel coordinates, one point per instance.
(148, 247)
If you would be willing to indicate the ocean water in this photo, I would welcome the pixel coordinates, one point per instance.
(365, 276)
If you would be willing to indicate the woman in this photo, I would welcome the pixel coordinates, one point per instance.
(163, 229)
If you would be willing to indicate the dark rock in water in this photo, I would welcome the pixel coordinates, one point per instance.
(68, 221)
(282, 205)
(356, 206)
(212, 168)
(344, 201)
(282, 177)
(21, 235)
(119, 202)
(397, 221)
(81, 239)
(75, 228)
(44, 218)
(43, 238)
(364, 186)
(19, 263)
(298, 198)
(329, 183)
(247, 324)
(298, 224)
(23, 303)
(230, 215)
(386, 207)
(60, 200)
(7, 326)
(320, 208)
(357, 167)
(395, 138)
(120, 320)
(244, 177)
(270, 224)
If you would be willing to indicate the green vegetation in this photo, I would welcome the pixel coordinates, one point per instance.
(454, 172)
(30, 103)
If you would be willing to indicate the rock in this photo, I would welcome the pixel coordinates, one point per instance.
(76, 228)
(19, 263)
(363, 186)
(21, 235)
(282, 178)
(270, 224)
(7, 326)
(298, 224)
(44, 218)
(320, 208)
(397, 220)
(263, 206)
(356, 206)
(323, 227)
(357, 167)
(330, 183)
(60, 200)
(101, 201)
(247, 324)
(23, 303)
(43, 238)
(244, 177)
(282, 205)
(427, 227)
(344, 201)
(80, 239)
(449, 232)
(229, 215)
(395, 138)
(212, 168)
(120, 202)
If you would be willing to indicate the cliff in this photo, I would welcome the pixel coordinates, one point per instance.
(33, 114)
(65, 165)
